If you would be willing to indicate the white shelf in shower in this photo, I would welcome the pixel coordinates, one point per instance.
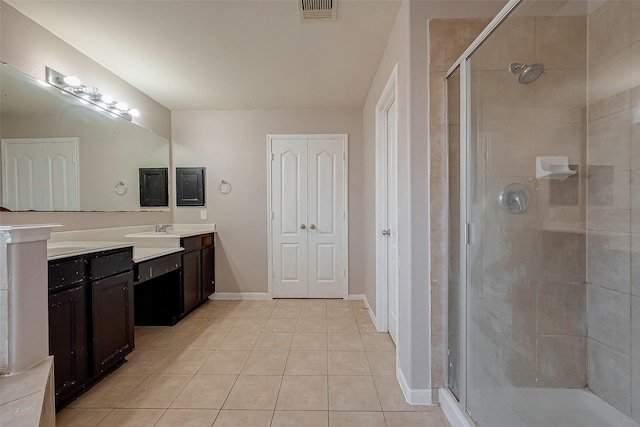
(553, 167)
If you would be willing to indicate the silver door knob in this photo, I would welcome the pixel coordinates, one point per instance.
(312, 226)
(386, 232)
(303, 226)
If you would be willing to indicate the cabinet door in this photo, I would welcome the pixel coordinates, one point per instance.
(68, 341)
(191, 280)
(112, 320)
(208, 277)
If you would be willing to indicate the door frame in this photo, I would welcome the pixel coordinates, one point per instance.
(387, 97)
(270, 214)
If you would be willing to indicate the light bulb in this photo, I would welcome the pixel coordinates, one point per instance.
(122, 106)
(134, 113)
(106, 99)
(72, 81)
(88, 90)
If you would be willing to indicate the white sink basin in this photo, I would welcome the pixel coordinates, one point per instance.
(154, 234)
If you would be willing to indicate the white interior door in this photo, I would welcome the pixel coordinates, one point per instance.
(392, 219)
(327, 272)
(308, 217)
(289, 218)
(387, 259)
(40, 174)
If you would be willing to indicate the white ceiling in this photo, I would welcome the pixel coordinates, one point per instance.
(227, 54)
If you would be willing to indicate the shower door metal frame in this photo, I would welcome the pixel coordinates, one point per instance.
(466, 229)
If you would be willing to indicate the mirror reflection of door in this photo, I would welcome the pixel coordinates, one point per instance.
(40, 174)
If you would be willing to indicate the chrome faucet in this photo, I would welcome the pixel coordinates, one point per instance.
(162, 228)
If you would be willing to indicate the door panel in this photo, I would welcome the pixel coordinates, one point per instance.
(60, 176)
(326, 209)
(191, 280)
(326, 262)
(289, 203)
(22, 177)
(112, 320)
(68, 341)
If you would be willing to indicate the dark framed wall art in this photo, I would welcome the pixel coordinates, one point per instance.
(190, 186)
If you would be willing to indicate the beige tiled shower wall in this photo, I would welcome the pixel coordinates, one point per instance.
(613, 204)
(448, 39)
(527, 305)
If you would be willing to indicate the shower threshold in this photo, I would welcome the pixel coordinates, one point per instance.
(545, 407)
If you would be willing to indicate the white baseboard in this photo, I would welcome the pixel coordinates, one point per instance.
(414, 396)
(453, 411)
(239, 295)
(357, 297)
(371, 313)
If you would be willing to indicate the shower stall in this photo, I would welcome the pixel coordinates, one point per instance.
(543, 122)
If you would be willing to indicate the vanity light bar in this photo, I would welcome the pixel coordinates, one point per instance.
(74, 86)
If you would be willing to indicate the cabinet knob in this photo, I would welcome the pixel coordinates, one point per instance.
(302, 226)
(312, 226)
(386, 232)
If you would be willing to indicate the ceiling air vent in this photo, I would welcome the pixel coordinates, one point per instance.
(317, 10)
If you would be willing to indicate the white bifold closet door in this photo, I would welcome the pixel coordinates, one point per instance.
(308, 216)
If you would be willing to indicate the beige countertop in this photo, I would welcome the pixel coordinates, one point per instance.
(57, 250)
(27, 398)
(147, 243)
(145, 254)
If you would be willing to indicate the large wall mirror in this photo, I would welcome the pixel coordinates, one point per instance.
(60, 153)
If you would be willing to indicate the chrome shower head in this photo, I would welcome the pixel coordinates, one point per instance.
(527, 73)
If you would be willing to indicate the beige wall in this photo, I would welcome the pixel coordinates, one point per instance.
(232, 145)
(28, 47)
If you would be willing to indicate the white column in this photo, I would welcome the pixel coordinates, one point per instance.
(24, 319)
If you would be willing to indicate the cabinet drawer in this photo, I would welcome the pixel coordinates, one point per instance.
(192, 243)
(157, 267)
(110, 263)
(65, 273)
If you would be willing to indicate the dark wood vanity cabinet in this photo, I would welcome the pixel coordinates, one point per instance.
(90, 318)
(68, 341)
(198, 270)
(208, 271)
(112, 301)
(191, 280)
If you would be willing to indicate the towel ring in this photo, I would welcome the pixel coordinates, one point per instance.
(224, 187)
(120, 188)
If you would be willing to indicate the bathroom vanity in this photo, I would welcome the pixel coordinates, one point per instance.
(100, 289)
(170, 286)
(91, 327)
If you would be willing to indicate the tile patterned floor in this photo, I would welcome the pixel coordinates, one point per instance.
(279, 363)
